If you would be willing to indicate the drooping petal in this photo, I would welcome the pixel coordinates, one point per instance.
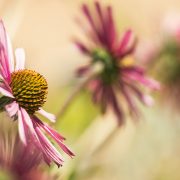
(20, 59)
(48, 149)
(27, 120)
(56, 136)
(97, 93)
(48, 128)
(6, 93)
(12, 108)
(116, 106)
(131, 105)
(146, 99)
(148, 82)
(49, 116)
(137, 74)
(21, 128)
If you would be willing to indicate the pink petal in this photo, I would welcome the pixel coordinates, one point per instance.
(4, 59)
(82, 47)
(83, 70)
(10, 54)
(56, 136)
(12, 108)
(112, 35)
(27, 120)
(91, 21)
(129, 99)
(124, 42)
(113, 101)
(20, 59)
(21, 128)
(136, 76)
(48, 148)
(6, 93)
(49, 116)
(148, 100)
(48, 128)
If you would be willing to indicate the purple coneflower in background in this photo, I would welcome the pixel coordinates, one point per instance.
(24, 93)
(120, 75)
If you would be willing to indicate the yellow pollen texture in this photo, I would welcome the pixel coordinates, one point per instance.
(127, 61)
(29, 89)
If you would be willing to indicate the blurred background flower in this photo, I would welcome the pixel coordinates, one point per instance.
(120, 77)
(161, 57)
(149, 150)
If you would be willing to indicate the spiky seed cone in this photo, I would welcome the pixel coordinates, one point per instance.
(29, 89)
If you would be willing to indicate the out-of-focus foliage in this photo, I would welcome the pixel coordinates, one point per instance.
(5, 175)
(77, 117)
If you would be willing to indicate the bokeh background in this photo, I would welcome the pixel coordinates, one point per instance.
(147, 150)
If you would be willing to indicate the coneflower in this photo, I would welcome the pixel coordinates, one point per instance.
(119, 75)
(17, 161)
(24, 93)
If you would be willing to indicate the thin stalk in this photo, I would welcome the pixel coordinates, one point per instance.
(95, 70)
(74, 94)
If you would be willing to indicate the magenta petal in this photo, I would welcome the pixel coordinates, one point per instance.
(21, 128)
(124, 42)
(48, 128)
(83, 70)
(55, 135)
(97, 93)
(137, 74)
(147, 100)
(87, 13)
(12, 108)
(82, 47)
(112, 29)
(131, 104)
(48, 149)
(150, 83)
(4, 59)
(116, 107)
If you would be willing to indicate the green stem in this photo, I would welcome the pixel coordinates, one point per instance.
(74, 94)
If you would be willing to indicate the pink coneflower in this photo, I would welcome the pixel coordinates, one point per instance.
(120, 75)
(24, 93)
(19, 161)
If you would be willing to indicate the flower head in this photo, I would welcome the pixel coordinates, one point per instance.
(24, 93)
(19, 161)
(119, 75)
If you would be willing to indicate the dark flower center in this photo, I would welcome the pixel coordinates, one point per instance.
(29, 89)
(110, 67)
